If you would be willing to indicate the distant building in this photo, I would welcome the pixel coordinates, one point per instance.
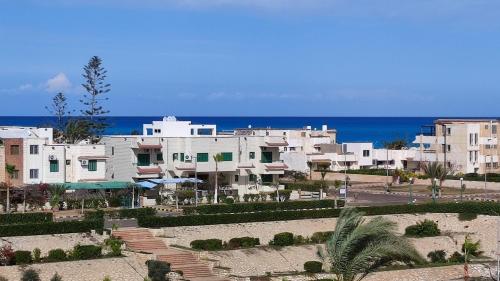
(465, 145)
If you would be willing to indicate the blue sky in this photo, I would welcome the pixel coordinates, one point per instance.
(256, 57)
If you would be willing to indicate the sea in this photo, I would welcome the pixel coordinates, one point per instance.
(349, 129)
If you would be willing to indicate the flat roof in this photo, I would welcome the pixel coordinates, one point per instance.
(468, 120)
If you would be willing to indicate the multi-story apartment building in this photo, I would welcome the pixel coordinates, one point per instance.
(299, 143)
(37, 159)
(170, 148)
(464, 145)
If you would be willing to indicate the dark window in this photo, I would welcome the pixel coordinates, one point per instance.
(227, 156)
(15, 174)
(68, 162)
(205, 132)
(159, 156)
(112, 150)
(143, 159)
(33, 149)
(175, 156)
(366, 153)
(266, 178)
(266, 157)
(14, 149)
(251, 155)
(252, 177)
(92, 167)
(54, 166)
(236, 178)
(33, 173)
(182, 158)
(202, 157)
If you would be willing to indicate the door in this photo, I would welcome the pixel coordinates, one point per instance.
(143, 159)
(267, 157)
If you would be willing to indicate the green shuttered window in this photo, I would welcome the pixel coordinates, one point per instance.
(92, 165)
(227, 156)
(202, 157)
(54, 166)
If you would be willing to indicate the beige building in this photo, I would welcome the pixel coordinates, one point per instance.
(464, 145)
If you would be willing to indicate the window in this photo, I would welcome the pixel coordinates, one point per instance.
(15, 175)
(54, 166)
(192, 132)
(476, 153)
(202, 157)
(266, 157)
(471, 156)
(92, 167)
(285, 148)
(495, 165)
(33, 149)
(448, 131)
(266, 178)
(112, 150)
(14, 150)
(366, 153)
(68, 162)
(33, 173)
(182, 158)
(227, 156)
(494, 129)
(471, 139)
(251, 155)
(143, 159)
(252, 177)
(236, 178)
(476, 138)
(205, 132)
(488, 165)
(159, 156)
(175, 156)
(448, 148)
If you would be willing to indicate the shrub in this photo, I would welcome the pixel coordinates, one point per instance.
(51, 228)
(36, 254)
(106, 278)
(131, 213)
(30, 275)
(243, 242)
(426, 228)
(85, 252)
(207, 245)
(115, 245)
(472, 247)
(20, 218)
(56, 277)
(228, 200)
(157, 270)
(467, 216)
(283, 239)
(6, 255)
(22, 257)
(313, 266)
(437, 256)
(456, 257)
(321, 237)
(300, 240)
(56, 255)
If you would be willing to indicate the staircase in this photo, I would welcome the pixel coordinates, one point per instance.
(141, 240)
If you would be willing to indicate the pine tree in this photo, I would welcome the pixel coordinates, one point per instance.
(95, 85)
(59, 109)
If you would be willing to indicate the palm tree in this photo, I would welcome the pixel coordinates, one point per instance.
(77, 130)
(310, 165)
(217, 158)
(435, 170)
(56, 192)
(358, 248)
(10, 169)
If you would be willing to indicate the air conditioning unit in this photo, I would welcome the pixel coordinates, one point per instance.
(187, 158)
(52, 157)
(85, 162)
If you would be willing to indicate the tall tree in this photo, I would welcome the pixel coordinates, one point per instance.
(96, 87)
(217, 158)
(358, 248)
(59, 109)
(10, 169)
(435, 171)
(77, 130)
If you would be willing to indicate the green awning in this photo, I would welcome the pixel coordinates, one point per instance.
(98, 185)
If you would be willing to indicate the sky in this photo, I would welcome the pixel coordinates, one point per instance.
(255, 57)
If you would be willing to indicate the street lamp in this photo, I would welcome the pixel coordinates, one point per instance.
(195, 159)
(434, 182)
(461, 188)
(410, 199)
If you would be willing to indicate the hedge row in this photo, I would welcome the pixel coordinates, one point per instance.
(261, 206)
(131, 213)
(18, 218)
(486, 208)
(51, 228)
(305, 186)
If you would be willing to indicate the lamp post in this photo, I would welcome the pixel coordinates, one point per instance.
(410, 197)
(195, 159)
(461, 189)
(133, 196)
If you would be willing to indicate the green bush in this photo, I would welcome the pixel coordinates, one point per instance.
(22, 257)
(37, 254)
(437, 256)
(283, 239)
(243, 242)
(467, 216)
(321, 237)
(456, 257)
(157, 270)
(56, 255)
(260, 207)
(30, 275)
(131, 213)
(426, 228)
(228, 200)
(305, 186)
(86, 252)
(484, 208)
(207, 245)
(313, 267)
(56, 277)
(115, 245)
(21, 218)
(94, 203)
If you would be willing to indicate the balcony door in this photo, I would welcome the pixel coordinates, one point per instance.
(143, 159)
(267, 157)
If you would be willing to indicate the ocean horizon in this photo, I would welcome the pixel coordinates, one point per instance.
(349, 129)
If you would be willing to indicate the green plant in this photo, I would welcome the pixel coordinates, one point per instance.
(56, 255)
(115, 245)
(7, 255)
(426, 228)
(321, 237)
(56, 192)
(437, 256)
(106, 278)
(467, 216)
(30, 275)
(246, 197)
(435, 170)
(157, 270)
(56, 277)
(22, 257)
(36, 254)
(207, 245)
(85, 252)
(19, 218)
(243, 242)
(228, 200)
(313, 267)
(283, 239)
(471, 248)
(359, 247)
(456, 257)
(51, 228)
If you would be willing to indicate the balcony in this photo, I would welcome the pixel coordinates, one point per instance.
(183, 166)
(148, 146)
(246, 166)
(275, 142)
(275, 166)
(148, 170)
